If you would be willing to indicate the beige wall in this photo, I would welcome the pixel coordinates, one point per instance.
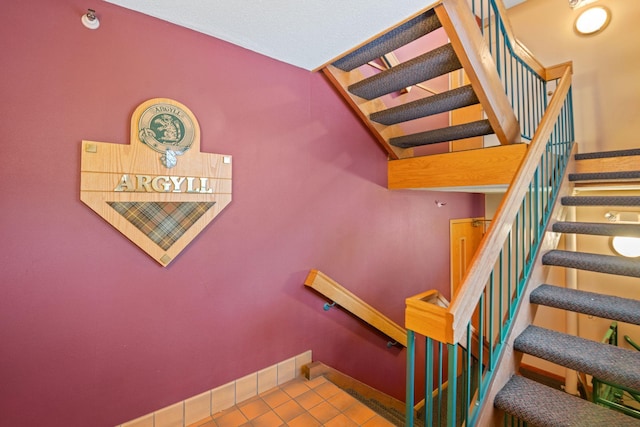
(606, 67)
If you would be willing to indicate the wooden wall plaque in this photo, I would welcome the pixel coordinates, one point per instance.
(159, 190)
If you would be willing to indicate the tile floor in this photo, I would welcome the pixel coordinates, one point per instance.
(298, 403)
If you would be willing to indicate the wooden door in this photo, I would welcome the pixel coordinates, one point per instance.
(465, 236)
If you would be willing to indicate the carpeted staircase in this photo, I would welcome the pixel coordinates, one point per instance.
(540, 405)
(367, 94)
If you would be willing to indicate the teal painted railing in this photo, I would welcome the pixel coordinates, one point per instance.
(460, 360)
(521, 79)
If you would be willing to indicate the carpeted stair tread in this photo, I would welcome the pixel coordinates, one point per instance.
(593, 304)
(605, 154)
(604, 176)
(606, 362)
(394, 39)
(601, 201)
(543, 406)
(437, 62)
(452, 133)
(598, 228)
(593, 262)
(446, 101)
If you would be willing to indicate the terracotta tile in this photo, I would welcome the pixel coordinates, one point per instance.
(304, 420)
(270, 419)
(359, 413)
(324, 411)
(231, 418)
(223, 413)
(316, 382)
(206, 423)
(342, 401)
(254, 408)
(309, 399)
(275, 398)
(377, 421)
(294, 388)
(289, 410)
(202, 422)
(340, 421)
(327, 389)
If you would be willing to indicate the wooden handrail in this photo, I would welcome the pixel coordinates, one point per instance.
(352, 303)
(473, 52)
(449, 325)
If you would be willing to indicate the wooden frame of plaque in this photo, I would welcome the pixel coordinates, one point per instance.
(159, 191)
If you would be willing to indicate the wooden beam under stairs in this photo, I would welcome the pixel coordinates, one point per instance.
(492, 167)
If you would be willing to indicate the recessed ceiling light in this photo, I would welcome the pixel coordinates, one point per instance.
(592, 20)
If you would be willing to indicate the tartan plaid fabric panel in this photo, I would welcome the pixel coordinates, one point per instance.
(162, 222)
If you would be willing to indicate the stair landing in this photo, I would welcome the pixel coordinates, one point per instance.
(298, 403)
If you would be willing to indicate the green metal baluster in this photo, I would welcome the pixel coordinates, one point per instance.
(492, 360)
(452, 391)
(517, 244)
(411, 372)
(440, 368)
(480, 347)
(501, 286)
(468, 376)
(428, 396)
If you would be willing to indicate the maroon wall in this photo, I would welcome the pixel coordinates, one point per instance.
(95, 332)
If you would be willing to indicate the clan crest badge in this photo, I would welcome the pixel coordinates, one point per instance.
(167, 129)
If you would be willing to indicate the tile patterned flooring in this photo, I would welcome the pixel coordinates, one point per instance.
(298, 403)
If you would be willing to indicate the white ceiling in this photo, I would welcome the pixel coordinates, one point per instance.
(304, 33)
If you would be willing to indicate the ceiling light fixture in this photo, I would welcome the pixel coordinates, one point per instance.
(592, 20)
(90, 20)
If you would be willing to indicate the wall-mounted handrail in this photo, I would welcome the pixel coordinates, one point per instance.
(355, 305)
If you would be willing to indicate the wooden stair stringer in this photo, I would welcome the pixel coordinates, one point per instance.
(482, 170)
